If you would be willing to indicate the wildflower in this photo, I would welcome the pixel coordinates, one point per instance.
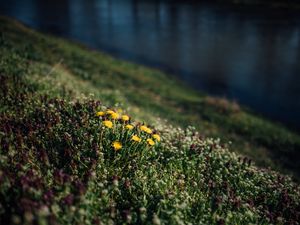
(100, 113)
(156, 136)
(149, 131)
(125, 118)
(129, 127)
(114, 116)
(108, 123)
(117, 145)
(109, 112)
(150, 142)
(136, 138)
(146, 129)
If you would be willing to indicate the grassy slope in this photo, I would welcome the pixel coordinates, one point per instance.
(148, 94)
(57, 165)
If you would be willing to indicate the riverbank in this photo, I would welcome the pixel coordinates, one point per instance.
(148, 94)
(70, 154)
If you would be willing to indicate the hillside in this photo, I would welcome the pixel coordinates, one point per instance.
(67, 155)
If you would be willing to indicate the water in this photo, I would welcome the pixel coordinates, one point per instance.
(249, 55)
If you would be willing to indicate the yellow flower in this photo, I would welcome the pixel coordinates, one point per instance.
(129, 127)
(136, 138)
(146, 129)
(143, 128)
(114, 116)
(108, 123)
(117, 145)
(156, 136)
(150, 142)
(109, 112)
(125, 118)
(100, 113)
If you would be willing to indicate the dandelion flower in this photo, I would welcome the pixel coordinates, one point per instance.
(108, 123)
(129, 127)
(146, 129)
(143, 128)
(156, 137)
(100, 113)
(136, 138)
(117, 145)
(109, 112)
(125, 118)
(114, 116)
(150, 142)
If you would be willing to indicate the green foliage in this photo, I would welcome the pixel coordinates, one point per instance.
(59, 66)
(59, 166)
(60, 163)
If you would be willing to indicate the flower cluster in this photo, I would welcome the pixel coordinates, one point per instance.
(123, 133)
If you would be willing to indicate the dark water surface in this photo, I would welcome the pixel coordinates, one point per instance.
(251, 56)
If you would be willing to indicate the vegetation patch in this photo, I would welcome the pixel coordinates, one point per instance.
(67, 158)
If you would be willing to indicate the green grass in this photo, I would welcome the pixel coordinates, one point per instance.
(57, 160)
(71, 69)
